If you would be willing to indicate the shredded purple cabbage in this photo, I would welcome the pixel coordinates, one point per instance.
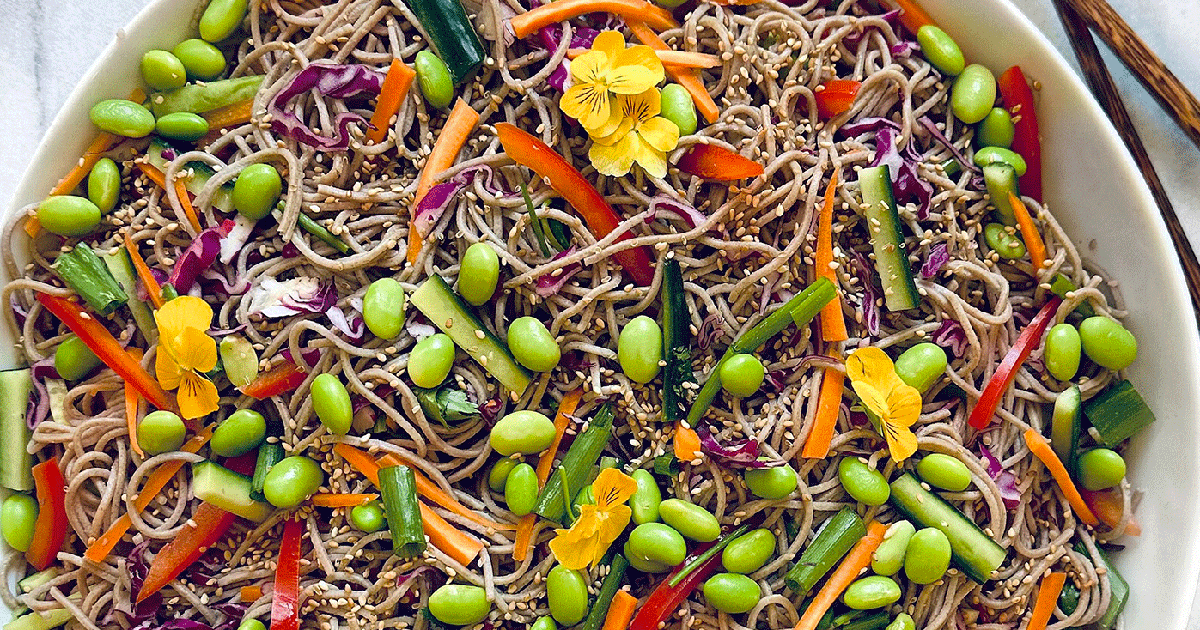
(138, 567)
(18, 311)
(712, 329)
(892, 18)
(353, 325)
(952, 336)
(332, 80)
(871, 314)
(904, 49)
(1005, 480)
(902, 165)
(941, 138)
(738, 454)
(938, 256)
(435, 202)
(199, 256)
(310, 356)
(38, 407)
(553, 282)
(692, 216)
(272, 298)
(235, 237)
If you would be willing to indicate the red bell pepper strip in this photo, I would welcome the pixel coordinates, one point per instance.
(712, 161)
(1006, 372)
(211, 525)
(285, 600)
(836, 96)
(912, 16)
(1018, 98)
(567, 181)
(96, 337)
(50, 529)
(280, 379)
(665, 599)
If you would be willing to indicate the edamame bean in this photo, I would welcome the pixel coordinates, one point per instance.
(430, 361)
(161, 432)
(927, 556)
(459, 604)
(521, 489)
(251, 624)
(202, 60)
(524, 431)
(1062, 353)
(434, 78)
(239, 359)
(544, 623)
(771, 483)
(1101, 468)
(903, 621)
(974, 94)
(871, 592)
(239, 434)
(921, 365)
(944, 471)
(689, 519)
(731, 593)
(566, 591)
(1107, 342)
(18, 516)
(68, 215)
(646, 499)
(645, 566)
(863, 483)
(73, 360)
(369, 517)
(331, 403)
(1003, 241)
(532, 345)
(184, 126)
(162, 70)
(639, 349)
(993, 155)
(658, 543)
(256, 190)
(221, 18)
(742, 375)
(291, 481)
(479, 273)
(678, 107)
(888, 557)
(104, 184)
(123, 118)
(996, 130)
(383, 308)
(940, 50)
(500, 472)
(749, 552)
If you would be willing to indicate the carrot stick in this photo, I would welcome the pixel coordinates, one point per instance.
(143, 272)
(912, 16)
(359, 460)
(132, 401)
(829, 405)
(833, 322)
(1047, 600)
(529, 22)
(238, 113)
(688, 78)
(1041, 449)
(562, 419)
(185, 201)
(444, 536)
(341, 500)
(670, 58)
(686, 443)
(524, 537)
(450, 141)
(251, 593)
(620, 611)
(858, 559)
(1033, 239)
(395, 87)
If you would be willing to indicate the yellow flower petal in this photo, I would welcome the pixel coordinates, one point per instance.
(589, 103)
(615, 159)
(653, 161)
(166, 369)
(197, 351)
(871, 397)
(185, 311)
(570, 549)
(659, 133)
(590, 67)
(872, 365)
(904, 405)
(640, 107)
(612, 488)
(635, 70)
(609, 42)
(901, 442)
(197, 396)
(623, 126)
(612, 523)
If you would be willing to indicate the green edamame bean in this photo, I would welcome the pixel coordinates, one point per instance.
(459, 604)
(544, 623)
(162, 70)
(68, 215)
(251, 624)
(871, 592)
(1107, 342)
(639, 349)
(256, 190)
(383, 308)
(678, 107)
(646, 499)
(749, 552)
(434, 79)
(239, 434)
(1062, 351)
(291, 481)
(944, 471)
(731, 593)
(922, 365)
(104, 184)
(863, 483)
(369, 518)
(903, 621)
(202, 60)
(659, 543)
(73, 360)
(1101, 468)
(524, 431)
(689, 519)
(221, 18)
(123, 118)
(532, 345)
(974, 94)
(184, 126)
(940, 50)
(771, 483)
(239, 359)
(479, 273)
(1003, 242)
(996, 130)
(643, 565)
(993, 155)
(331, 403)
(500, 472)
(161, 432)
(888, 557)
(18, 515)
(521, 489)
(742, 375)
(430, 361)
(927, 557)
(566, 591)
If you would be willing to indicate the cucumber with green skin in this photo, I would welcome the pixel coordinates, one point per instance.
(887, 239)
(677, 349)
(1118, 413)
(451, 34)
(1066, 425)
(839, 534)
(1001, 179)
(974, 552)
(227, 490)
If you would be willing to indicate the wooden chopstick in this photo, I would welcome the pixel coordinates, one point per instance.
(1105, 90)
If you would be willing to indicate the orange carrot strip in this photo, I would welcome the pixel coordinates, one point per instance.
(458, 545)
(829, 405)
(1033, 239)
(912, 16)
(529, 22)
(1109, 507)
(524, 537)
(341, 500)
(688, 78)
(562, 419)
(143, 272)
(359, 460)
(132, 401)
(833, 322)
(238, 113)
(670, 58)
(426, 488)
(450, 141)
(858, 559)
(620, 611)
(391, 95)
(686, 443)
(160, 178)
(251, 593)
(1041, 449)
(1047, 599)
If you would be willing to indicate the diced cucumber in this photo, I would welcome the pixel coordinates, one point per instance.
(973, 551)
(452, 35)
(839, 534)
(40, 621)
(16, 464)
(1066, 425)
(269, 454)
(887, 238)
(1118, 586)
(30, 582)
(121, 267)
(676, 345)
(1001, 179)
(227, 490)
(222, 198)
(1118, 413)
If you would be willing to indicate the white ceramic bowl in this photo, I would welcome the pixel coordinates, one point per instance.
(1092, 184)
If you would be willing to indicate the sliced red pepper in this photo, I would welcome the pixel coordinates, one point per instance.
(665, 599)
(711, 161)
(281, 379)
(211, 525)
(567, 181)
(1018, 98)
(912, 16)
(1006, 372)
(50, 529)
(285, 600)
(836, 96)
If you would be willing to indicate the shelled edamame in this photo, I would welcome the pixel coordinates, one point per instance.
(639, 349)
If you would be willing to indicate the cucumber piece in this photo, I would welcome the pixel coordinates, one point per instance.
(83, 271)
(1001, 179)
(972, 550)
(887, 238)
(222, 198)
(268, 455)
(1061, 286)
(1118, 586)
(30, 582)
(40, 621)
(121, 267)
(1066, 425)
(227, 490)
(1118, 413)
(451, 34)
(676, 326)
(576, 468)
(16, 464)
(839, 534)
(448, 312)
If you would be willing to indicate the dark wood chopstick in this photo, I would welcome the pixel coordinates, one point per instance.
(1105, 90)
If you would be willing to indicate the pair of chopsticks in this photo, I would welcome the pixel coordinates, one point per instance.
(1077, 17)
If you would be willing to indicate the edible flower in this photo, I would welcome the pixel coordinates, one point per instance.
(641, 136)
(892, 403)
(598, 525)
(608, 69)
(186, 353)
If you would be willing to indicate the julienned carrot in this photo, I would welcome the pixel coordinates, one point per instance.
(670, 58)
(1033, 239)
(341, 500)
(686, 77)
(833, 322)
(238, 113)
(529, 22)
(185, 202)
(1109, 507)
(251, 593)
(1041, 449)
(829, 405)
(912, 16)
(444, 536)
(143, 272)
(359, 460)
(686, 444)
(450, 141)
(132, 402)
(1047, 599)
(620, 611)
(391, 95)
(562, 419)
(858, 559)
(524, 537)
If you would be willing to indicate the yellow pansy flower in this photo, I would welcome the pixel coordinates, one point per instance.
(641, 136)
(598, 525)
(608, 69)
(185, 353)
(894, 403)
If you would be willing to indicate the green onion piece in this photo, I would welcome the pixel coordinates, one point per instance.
(539, 230)
(16, 464)
(121, 268)
(1118, 413)
(88, 276)
(268, 455)
(398, 487)
(666, 466)
(874, 621)
(1062, 285)
(308, 224)
(576, 465)
(832, 543)
(676, 324)
(708, 553)
(559, 233)
(608, 589)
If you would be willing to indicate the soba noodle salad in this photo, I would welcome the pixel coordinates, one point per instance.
(587, 313)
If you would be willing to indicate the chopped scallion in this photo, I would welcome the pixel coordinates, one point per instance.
(398, 487)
